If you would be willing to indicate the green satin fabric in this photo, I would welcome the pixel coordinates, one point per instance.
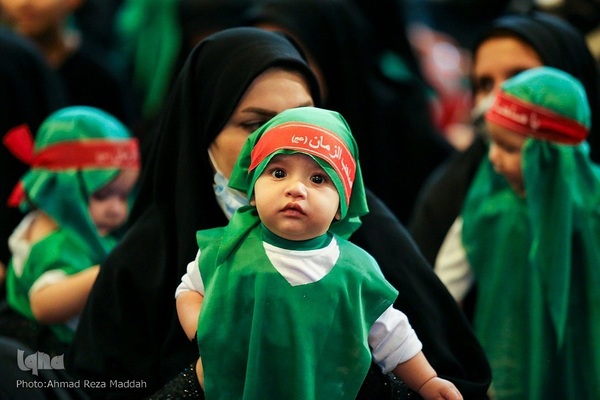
(150, 21)
(261, 338)
(536, 261)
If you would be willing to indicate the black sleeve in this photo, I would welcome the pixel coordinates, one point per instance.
(448, 340)
(129, 329)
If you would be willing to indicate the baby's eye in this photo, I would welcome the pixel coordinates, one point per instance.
(318, 179)
(100, 195)
(509, 148)
(278, 173)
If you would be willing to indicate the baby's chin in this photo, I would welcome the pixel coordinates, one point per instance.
(105, 231)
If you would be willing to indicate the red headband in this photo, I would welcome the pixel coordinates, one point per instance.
(309, 139)
(532, 120)
(92, 154)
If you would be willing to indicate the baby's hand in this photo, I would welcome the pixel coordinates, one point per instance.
(439, 389)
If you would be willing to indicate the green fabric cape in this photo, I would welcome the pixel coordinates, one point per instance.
(536, 262)
(261, 338)
(56, 251)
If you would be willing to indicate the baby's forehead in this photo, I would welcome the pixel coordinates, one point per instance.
(304, 158)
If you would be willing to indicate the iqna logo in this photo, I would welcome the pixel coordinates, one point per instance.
(39, 360)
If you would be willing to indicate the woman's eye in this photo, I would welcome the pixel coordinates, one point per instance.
(252, 126)
(483, 86)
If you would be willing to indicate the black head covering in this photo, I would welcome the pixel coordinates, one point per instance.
(559, 45)
(29, 92)
(129, 329)
(390, 120)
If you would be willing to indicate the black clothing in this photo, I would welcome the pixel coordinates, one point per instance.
(17, 380)
(129, 328)
(29, 92)
(91, 82)
(390, 118)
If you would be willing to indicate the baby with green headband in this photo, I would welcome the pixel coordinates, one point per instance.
(84, 165)
(281, 304)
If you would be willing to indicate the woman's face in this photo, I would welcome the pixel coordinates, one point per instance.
(273, 91)
(496, 60)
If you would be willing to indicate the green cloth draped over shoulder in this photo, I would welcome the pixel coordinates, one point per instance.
(536, 262)
(58, 252)
(261, 338)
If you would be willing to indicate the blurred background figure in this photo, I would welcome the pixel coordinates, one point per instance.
(390, 115)
(89, 79)
(511, 44)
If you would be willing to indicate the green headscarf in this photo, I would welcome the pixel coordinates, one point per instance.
(77, 151)
(326, 137)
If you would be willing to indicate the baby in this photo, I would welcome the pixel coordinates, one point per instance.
(281, 303)
(77, 192)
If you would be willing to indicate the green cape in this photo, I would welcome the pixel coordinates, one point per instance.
(536, 262)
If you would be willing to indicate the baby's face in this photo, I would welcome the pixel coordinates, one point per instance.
(109, 206)
(505, 155)
(295, 198)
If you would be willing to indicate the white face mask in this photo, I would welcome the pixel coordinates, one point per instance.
(228, 199)
(478, 115)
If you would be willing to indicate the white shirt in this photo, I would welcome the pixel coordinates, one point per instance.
(391, 338)
(451, 264)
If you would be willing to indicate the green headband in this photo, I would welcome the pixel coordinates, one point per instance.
(323, 135)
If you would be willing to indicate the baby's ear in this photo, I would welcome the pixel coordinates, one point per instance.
(338, 215)
(252, 201)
